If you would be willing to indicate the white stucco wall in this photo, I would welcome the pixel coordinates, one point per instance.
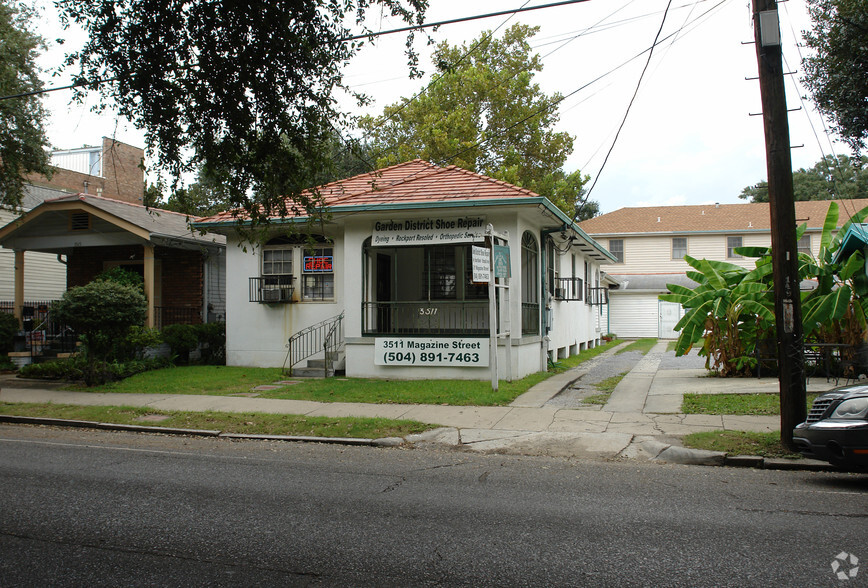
(257, 333)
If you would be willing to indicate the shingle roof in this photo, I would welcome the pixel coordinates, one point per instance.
(711, 217)
(414, 182)
(159, 223)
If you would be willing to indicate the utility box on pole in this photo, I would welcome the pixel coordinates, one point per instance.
(788, 310)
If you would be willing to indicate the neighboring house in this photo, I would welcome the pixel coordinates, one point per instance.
(392, 267)
(183, 270)
(650, 243)
(112, 170)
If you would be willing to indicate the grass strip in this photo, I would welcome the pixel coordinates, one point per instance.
(641, 345)
(227, 381)
(740, 443)
(735, 404)
(247, 422)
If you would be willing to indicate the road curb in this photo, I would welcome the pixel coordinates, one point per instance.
(384, 442)
(686, 456)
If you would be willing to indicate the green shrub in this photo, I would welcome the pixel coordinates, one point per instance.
(134, 344)
(182, 339)
(122, 276)
(102, 312)
(78, 368)
(8, 330)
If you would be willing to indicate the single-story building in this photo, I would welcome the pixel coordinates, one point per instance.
(183, 270)
(398, 268)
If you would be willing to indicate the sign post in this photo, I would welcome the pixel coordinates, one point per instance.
(498, 299)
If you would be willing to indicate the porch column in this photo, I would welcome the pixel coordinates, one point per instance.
(150, 288)
(18, 302)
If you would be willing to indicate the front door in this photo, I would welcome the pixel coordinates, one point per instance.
(668, 315)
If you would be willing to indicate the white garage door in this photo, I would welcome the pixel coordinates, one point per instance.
(632, 316)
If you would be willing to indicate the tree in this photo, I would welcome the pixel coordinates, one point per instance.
(832, 178)
(22, 137)
(246, 90)
(483, 112)
(837, 73)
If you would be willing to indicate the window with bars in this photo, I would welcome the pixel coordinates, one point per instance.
(318, 278)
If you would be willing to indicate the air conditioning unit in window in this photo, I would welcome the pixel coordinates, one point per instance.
(276, 294)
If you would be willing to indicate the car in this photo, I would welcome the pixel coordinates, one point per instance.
(836, 429)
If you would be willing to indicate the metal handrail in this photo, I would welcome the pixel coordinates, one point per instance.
(326, 336)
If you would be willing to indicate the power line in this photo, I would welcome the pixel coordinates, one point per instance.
(369, 35)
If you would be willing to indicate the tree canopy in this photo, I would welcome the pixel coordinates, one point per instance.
(22, 137)
(246, 90)
(483, 112)
(837, 73)
(832, 178)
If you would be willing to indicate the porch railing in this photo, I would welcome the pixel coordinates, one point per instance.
(176, 315)
(425, 318)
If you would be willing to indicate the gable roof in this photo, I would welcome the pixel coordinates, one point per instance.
(148, 223)
(412, 184)
(419, 184)
(712, 218)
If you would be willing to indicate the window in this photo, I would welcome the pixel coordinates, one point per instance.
(530, 314)
(318, 278)
(292, 270)
(732, 243)
(616, 248)
(277, 262)
(679, 247)
(804, 245)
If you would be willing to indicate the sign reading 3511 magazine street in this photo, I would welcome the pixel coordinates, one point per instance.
(433, 351)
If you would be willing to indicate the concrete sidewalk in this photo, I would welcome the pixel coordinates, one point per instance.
(640, 421)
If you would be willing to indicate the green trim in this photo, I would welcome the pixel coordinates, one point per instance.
(356, 209)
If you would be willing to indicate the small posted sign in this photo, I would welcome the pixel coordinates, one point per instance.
(501, 261)
(481, 264)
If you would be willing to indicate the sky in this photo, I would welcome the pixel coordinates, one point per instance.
(689, 137)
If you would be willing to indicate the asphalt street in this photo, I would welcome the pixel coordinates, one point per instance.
(80, 507)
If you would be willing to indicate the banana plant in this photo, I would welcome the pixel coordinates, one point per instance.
(724, 310)
(731, 309)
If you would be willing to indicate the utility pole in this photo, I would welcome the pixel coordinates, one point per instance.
(788, 311)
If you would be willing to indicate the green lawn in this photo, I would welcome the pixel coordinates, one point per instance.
(739, 404)
(225, 381)
(740, 443)
(641, 345)
(247, 423)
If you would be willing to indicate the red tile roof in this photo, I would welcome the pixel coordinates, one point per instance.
(711, 217)
(413, 182)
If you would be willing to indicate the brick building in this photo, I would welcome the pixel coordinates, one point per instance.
(113, 170)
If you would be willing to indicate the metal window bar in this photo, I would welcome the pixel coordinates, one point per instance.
(569, 289)
(530, 318)
(598, 296)
(271, 289)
